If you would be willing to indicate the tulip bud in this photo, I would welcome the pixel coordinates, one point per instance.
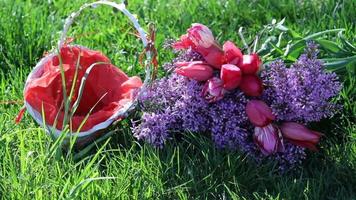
(198, 36)
(233, 54)
(268, 139)
(201, 35)
(259, 113)
(250, 64)
(251, 85)
(196, 70)
(231, 76)
(213, 90)
(213, 55)
(183, 43)
(300, 135)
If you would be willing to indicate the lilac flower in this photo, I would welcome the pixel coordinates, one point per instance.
(303, 91)
(154, 128)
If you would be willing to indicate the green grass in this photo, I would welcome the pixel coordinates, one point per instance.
(32, 167)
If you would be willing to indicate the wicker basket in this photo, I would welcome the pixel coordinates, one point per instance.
(99, 129)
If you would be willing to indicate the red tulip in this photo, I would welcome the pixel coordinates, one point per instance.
(251, 85)
(268, 139)
(231, 76)
(198, 36)
(250, 64)
(213, 90)
(201, 35)
(201, 39)
(183, 43)
(196, 70)
(259, 113)
(300, 135)
(233, 54)
(212, 55)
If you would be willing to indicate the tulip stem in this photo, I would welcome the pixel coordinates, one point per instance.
(255, 44)
(244, 41)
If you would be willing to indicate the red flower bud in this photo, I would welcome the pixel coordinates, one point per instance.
(213, 90)
(201, 35)
(251, 85)
(300, 135)
(231, 76)
(268, 139)
(201, 39)
(250, 64)
(196, 70)
(233, 54)
(214, 56)
(259, 113)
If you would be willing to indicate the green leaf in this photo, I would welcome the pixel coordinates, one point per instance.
(335, 64)
(322, 33)
(294, 34)
(295, 51)
(329, 45)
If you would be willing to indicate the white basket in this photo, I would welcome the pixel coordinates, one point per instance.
(94, 132)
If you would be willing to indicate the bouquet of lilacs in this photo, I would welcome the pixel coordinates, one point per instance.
(219, 91)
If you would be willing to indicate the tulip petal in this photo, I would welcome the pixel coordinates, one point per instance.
(300, 135)
(250, 64)
(195, 70)
(213, 90)
(251, 85)
(201, 35)
(233, 54)
(266, 138)
(231, 76)
(259, 113)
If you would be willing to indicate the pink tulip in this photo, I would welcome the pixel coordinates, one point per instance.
(213, 90)
(250, 64)
(198, 36)
(231, 76)
(251, 85)
(268, 139)
(201, 35)
(259, 113)
(300, 135)
(183, 43)
(212, 55)
(196, 70)
(233, 54)
(201, 39)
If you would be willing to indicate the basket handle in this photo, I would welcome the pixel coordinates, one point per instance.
(121, 7)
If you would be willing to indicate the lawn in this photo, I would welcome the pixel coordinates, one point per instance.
(33, 166)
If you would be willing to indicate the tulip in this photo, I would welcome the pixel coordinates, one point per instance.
(300, 135)
(213, 55)
(231, 76)
(198, 36)
(250, 64)
(233, 54)
(259, 113)
(183, 43)
(268, 139)
(196, 70)
(213, 90)
(201, 35)
(251, 85)
(201, 39)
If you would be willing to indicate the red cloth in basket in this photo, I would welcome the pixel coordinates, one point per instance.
(106, 86)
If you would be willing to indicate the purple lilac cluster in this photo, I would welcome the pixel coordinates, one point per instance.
(303, 91)
(174, 104)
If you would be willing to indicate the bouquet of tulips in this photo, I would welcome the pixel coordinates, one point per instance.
(262, 110)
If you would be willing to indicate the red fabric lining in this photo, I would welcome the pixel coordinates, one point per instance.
(103, 79)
